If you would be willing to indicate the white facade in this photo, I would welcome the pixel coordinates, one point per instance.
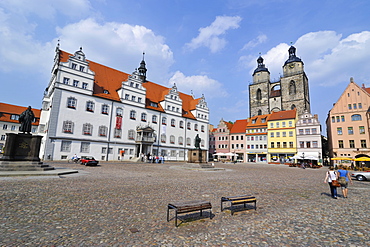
(308, 132)
(87, 111)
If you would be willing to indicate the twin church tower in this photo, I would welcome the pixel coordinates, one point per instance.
(291, 91)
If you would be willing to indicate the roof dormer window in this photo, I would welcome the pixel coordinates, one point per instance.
(106, 91)
(82, 68)
(74, 66)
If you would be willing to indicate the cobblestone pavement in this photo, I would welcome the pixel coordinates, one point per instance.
(121, 204)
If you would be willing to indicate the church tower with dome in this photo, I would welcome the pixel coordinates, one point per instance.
(289, 92)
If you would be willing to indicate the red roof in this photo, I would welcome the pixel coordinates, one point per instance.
(239, 126)
(7, 110)
(111, 80)
(280, 115)
(256, 121)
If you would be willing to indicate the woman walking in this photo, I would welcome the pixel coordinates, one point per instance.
(344, 177)
(330, 176)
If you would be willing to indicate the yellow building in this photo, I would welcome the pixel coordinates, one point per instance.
(281, 136)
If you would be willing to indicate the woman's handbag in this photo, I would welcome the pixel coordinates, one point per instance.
(335, 183)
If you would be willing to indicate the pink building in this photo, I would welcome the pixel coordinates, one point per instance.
(348, 123)
(222, 139)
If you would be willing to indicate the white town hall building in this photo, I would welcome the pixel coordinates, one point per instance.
(92, 110)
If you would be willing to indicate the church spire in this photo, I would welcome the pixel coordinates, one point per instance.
(260, 66)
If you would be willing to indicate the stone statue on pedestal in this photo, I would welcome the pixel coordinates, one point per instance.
(197, 142)
(26, 118)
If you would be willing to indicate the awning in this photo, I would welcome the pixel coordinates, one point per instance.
(341, 158)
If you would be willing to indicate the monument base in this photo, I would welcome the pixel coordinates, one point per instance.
(22, 153)
(22, 147)
(197, 156)
(24, 166)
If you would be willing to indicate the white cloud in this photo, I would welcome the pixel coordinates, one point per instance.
(210, 36)
(329, 59)
(198, 84)
(262, 38)
(119, 45)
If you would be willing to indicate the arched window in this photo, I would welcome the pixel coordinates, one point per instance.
(181, 124)
(258, 94)
(356, 117)
(259, 112)
(87, 129)
(90, 106)
(292, 88)
(133, 114)
(143, 117)
(173, 122)
(131, 134)
(181, 140)
(188, 141)
(163, 138)
(68, 127)
(71, 102)
(119, 112)
(103, 130)
(188, 126)
(154, 119)
(293, 107)
(172, 139)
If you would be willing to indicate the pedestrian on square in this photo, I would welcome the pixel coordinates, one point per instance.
(156, 159)
(344, 177)
(330, 176)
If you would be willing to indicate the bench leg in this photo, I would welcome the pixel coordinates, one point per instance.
(168, 214)
(176, 218)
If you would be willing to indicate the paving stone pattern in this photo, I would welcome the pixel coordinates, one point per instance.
(122, 204)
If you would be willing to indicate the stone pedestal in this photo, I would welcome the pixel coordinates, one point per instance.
(197, 156)
(22, 153)
(22, 147)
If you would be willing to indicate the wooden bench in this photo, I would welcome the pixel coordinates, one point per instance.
(235, 200)
(187, 207)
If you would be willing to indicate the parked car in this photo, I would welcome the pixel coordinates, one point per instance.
(361, 176)
(89, 161)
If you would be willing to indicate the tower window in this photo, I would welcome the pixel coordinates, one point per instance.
(258, 94)
(292, 88)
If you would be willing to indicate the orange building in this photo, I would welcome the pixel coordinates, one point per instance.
(256, 139)
(348, 123)
(237, 142)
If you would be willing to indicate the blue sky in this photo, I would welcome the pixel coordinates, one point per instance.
(205, 47)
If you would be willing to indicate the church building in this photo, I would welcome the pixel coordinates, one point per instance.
(290, 92)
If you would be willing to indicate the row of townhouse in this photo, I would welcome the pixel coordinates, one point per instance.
(90, 109)
(9, 121)
(277, 137)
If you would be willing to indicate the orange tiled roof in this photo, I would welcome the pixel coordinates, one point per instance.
(110, 79)
(239, 126)
(229, 125)
(290, 114)
(258, 121)
(6, 110)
